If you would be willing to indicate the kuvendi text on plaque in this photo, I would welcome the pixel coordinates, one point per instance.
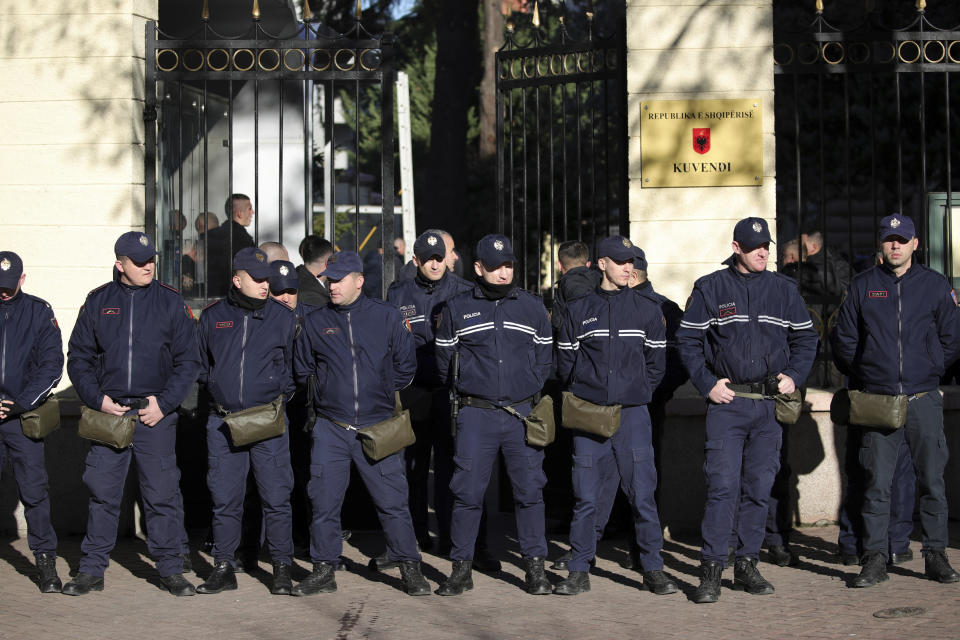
(701, 143)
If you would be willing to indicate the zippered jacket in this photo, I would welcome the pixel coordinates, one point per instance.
(675, 373)
(420, 305)
(745, 327)
(612, 347)
(134, 342)
(897, 335)
(31, 351)
(361, 353)
(247, 355)
(505, 345)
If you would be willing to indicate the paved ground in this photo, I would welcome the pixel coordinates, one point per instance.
(812, 601)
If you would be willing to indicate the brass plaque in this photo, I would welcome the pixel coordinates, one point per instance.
(701, 143)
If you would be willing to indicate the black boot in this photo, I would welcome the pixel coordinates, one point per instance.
(484, 562)
(83, 584)
(282, 584)
(178, 585)
(382, 563)
(937, 567)
(222, 578)
(780, 555)
(321, 580)
(460, 579)
(48, 579)
(413, 581)
(709, 589)
(874, 571)
(900, 558)
(536, 578)
(187, 563)
(576, 582)
(659, 583)
(747, 578)
(562, 563)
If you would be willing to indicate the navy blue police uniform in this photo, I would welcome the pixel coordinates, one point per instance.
(896, 335)
(746, 327)
(31, 363)
(504, 346)
(129, 343)
(361, 354)
(673, 377)
(246, 347)
(420, 301)
(603, 338)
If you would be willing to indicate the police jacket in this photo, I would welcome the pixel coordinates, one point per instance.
(576, 282)
(134, 342)
(897, 335)
(745, 327)
(611, 348)
(247, 354)
(675, 373)
(504, 345)
(31, 351)
(420, 303)
(361, 354)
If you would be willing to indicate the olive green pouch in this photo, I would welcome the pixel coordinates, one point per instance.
(105, 428)
(595, 419)
(388, 436)
(789, 407)
(256, 423)
(541, 426)
(877, 410)
(42, 421)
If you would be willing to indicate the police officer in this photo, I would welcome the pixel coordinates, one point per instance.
(361, 352)
(502, 336)
(745, 337)
(603, 338)
(31, 363)
(420, 300)
(897, 330)
(246, 346)
(134, 345)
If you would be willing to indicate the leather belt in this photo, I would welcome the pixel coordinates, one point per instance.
(754, 390)
(134, 402)
(480, 403)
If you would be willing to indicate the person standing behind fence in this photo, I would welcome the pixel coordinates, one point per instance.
(745, 337)
(897, 330)
(223, 242)
(314, 252)
(32, 363)
(246, 344)
(134, 352)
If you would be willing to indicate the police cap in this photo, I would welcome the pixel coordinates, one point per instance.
(495, 249)
(897, 225)
(342, 264)
(11, 267)
(283, 276)
(428, 245)
(617, 248)
(751, 232)
(253, 261)
(136, 246)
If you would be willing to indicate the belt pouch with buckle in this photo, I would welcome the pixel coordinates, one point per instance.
(541, 426)
(105, 428)
(388, 436)
(789, 406)
(256, 423)
(596, 419)
(877, 410)
(42, 421)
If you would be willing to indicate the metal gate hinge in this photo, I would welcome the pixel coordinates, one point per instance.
(149, 113)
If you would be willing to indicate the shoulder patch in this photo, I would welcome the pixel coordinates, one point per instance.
(188, 311)
(166, 286)
(100, 288)
(212, 304)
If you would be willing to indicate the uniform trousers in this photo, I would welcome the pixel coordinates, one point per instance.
(630, 452)
(153, 449)
(30, 471)
(481, 433)
(902, 497)
(924, 434)
(742, 456)
(334, 449)
(227, 470)
(432, 429)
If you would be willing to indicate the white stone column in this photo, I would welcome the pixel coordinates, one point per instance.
(696, 50)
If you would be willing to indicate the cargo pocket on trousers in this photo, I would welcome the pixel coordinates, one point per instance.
(392, 473)
(584, 485)
(713, 463)
(644, 480)
(460, 482)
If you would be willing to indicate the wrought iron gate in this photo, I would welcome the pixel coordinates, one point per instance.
(277, 116)
(561, 143)
(865, 117)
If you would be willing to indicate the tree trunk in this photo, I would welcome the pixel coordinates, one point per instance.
(492, 39)
(453, 94)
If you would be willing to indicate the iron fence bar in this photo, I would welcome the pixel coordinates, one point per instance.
(180, 153)
(553, 188)
(821, 200)
(797, 161)
(356, 169)
(280, 168)
(539, 246)
(386, 156)
(565, 187)
(501, 160)
(306, 88)
(925, 228)
(846, 163)
(948, 213)
(202, 130)
(230, 190)
(511, 153)
(526, 185)
(329, 164)
(623, 148)
(150, 135)
(592, 162)
(899, 136)
(873, 154)
(605, 126)
(576, 94)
